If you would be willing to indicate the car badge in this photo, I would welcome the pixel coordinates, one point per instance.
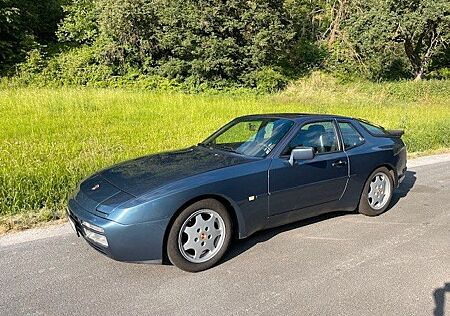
(95, 187)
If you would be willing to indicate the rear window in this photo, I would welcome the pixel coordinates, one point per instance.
(350, 136)
(373, 129)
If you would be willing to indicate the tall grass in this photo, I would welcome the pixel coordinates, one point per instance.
(51, 138)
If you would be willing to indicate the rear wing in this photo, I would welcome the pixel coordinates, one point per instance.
(395, 132)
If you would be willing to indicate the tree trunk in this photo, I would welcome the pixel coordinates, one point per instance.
(419, 75)
(414, 59)
(420, 52)
(336, 24)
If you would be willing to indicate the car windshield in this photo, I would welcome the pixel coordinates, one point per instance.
(250, 137)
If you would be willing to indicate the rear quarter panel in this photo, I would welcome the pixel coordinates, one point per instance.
(375, 152)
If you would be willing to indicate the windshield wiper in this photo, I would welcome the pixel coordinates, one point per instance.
(219, 146)
(224, 147)
(227, 148)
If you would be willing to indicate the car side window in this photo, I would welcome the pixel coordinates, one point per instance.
(350, 136)
(319, 135)
(374, 130)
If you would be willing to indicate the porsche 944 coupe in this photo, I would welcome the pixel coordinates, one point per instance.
(254, 173)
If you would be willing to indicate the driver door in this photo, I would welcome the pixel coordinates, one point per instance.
(313, 182)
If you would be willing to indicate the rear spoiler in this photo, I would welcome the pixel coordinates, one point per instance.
(395, 132)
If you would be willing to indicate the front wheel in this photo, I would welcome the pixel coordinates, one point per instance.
(377, 193)
(199, 236)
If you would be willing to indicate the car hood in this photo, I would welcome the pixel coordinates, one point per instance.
(141, 175)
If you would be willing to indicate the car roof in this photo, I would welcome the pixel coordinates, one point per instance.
(294, 116)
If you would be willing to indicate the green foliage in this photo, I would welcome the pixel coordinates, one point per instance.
(80, 22)
(388, 38)
(199, 45)
(204, 41)
(265, 80)
(9, 37)
(76, 66)
(195, 45)
(25, 25)
(441, 73)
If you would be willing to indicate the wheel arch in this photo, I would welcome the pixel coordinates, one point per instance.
(229, 205)
(392, 171)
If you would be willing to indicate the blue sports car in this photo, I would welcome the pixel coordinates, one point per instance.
(256, 172)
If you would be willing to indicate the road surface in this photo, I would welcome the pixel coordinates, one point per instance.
(339, 264)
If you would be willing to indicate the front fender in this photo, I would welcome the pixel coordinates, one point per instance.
(243, 187)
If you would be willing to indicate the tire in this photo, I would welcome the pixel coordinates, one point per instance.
(199, 236)
(377, 193)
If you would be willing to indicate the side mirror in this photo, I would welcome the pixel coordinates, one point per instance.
(301, 153)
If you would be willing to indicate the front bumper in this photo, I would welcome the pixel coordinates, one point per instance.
(141, 242)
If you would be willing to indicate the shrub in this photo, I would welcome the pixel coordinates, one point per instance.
(265, 80)
(207, 42)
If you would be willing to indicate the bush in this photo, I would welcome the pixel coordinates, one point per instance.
(24, 26)
(208, 43)
(443, 74)
(76, 66)
(265, 80)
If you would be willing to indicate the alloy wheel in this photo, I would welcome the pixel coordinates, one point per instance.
(379, 191)
(201, 236)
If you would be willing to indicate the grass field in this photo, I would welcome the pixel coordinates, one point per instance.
(51, 138)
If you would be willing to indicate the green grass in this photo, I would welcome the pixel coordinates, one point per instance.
(52, 138)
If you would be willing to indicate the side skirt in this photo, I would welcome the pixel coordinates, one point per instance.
(304, 213)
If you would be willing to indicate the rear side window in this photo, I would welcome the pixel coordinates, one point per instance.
(320, 136)
(350, 136)
(373, 129)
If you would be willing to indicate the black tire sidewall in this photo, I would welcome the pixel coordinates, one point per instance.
(173, 252)
(364, 206)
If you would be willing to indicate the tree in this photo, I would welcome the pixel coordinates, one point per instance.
(10, 34)
(338, 14)
(200, 40)
(80, 22)
(423, 29)
(25, 24)
(376, 27)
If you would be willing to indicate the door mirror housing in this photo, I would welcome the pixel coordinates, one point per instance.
(301, 153)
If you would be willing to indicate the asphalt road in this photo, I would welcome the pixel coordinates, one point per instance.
(340, 264)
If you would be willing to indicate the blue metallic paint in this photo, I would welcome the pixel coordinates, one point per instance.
(306, 183)
(122, 238)
(136, 200)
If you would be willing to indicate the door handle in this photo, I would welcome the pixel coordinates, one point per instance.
(339, 163)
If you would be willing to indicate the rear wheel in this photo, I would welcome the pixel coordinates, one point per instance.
(377, 193)
(199, 236)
